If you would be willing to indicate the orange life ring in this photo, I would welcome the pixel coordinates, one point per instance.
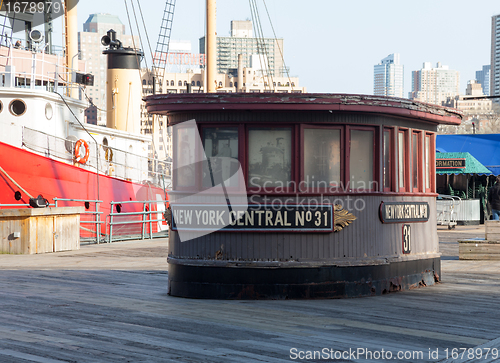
(78, 158)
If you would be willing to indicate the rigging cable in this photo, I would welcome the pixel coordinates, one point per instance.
(138, 61)
(136, 55)
(92, 137)
(157, 58)
(278, 45)
(261, 45)
(155, 76)
(150, 127)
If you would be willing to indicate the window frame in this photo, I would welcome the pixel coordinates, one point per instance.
(420, 175)
(175, 184)
(376, 156)
(432, 162)
(406, 161)
(297, 162)
(301, 158)
(261, 190)
(241, 148)
(392, 159)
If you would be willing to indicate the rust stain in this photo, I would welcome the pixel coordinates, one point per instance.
(219, 254)
(436, 277)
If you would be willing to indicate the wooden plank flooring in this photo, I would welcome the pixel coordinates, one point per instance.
(109, 304)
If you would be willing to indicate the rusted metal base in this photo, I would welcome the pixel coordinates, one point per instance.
(213, 282)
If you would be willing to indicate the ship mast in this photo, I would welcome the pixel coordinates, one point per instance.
(71, 37)
(211, 47)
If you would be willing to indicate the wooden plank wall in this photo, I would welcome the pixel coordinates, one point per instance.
(39, 233)
(365, 239)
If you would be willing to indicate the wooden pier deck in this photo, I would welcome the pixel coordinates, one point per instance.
(108, 303)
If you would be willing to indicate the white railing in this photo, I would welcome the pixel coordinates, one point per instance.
(140, 223)
(34, 69)
(111, 161)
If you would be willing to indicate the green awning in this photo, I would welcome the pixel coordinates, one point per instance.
(472, 166)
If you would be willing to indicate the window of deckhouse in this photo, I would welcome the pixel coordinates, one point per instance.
(221, 149)
(403, 162)
(361, 159)
(416, 161)
(322, 158)
(269, 158)
(388, 162)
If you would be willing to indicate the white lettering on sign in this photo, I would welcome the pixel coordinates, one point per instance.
(397, 211)
(202, 217)
(299, 218)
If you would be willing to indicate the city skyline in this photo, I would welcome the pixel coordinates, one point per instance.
(388, 77)
(334, 46)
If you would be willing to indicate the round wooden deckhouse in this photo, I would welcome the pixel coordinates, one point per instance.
(280, 196)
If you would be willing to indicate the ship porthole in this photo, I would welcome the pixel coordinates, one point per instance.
(119, 208)
(17, 107)
(87, 205)
(49, 112)
(17, 195)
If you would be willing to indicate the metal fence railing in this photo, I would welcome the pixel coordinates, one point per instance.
(131, 220)
(91, 217)
(127, 220)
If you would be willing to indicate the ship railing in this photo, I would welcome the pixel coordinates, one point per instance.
(112, 161)
(34, 69)
(88, 217)
(138, 223)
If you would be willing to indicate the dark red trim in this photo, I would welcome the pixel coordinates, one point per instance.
(432, 161)
(393, 167)
(419, 186)
(167, 103)
(296, 152)
(406, 161)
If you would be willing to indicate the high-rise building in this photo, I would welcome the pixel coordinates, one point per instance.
(242, 42)
(434, 85)
(469, 103)
(388, 79)
(483, 77)
(495, 57)
(90, 47)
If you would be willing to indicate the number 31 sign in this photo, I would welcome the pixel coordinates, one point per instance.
(406, 239)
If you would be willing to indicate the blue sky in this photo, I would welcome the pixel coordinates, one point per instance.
(333, 45)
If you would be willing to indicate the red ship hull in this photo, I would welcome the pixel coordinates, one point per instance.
(51, 178)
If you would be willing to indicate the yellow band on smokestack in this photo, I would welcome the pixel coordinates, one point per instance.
(124, 86)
